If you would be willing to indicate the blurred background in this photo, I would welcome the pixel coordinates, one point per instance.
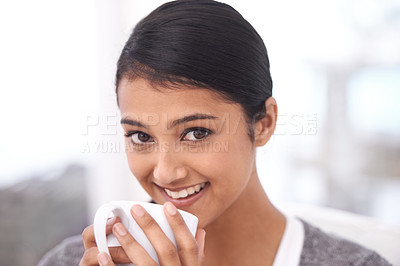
(336, 71)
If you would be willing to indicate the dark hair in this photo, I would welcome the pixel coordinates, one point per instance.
(202, 43)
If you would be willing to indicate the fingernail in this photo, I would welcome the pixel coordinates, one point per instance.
(102, 258)
(111, 220)
(138, 210)
(171, 209)
(120, 229)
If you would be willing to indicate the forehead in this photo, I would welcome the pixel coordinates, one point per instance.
(139, 97)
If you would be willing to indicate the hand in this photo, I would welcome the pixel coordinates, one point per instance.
(90, 256)
(190, 250)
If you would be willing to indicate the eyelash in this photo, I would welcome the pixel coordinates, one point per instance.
(207, 131)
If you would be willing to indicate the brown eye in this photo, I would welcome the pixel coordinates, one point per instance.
(196, 134)
(199, 134)
(139, 137)
(143, 137)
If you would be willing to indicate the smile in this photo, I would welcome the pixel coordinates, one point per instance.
(185, 192)
(184, 197)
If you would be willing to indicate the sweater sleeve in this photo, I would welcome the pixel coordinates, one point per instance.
(68, 253)
(321, 248)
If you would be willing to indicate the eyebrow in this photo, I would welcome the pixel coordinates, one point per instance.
(185, 119)
(132, 122)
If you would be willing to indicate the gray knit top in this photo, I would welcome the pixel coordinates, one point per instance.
(319, 248)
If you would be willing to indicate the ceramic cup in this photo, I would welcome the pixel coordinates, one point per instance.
(122, 210)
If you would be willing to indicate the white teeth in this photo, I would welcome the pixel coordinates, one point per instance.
(190, 190)
(184, 192)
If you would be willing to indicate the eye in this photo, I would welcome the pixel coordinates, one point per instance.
(196, 134)
(139, 137)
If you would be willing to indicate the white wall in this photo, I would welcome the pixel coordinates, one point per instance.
(48, 80)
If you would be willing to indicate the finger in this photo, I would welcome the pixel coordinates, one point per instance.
(117, 254)
(201, 240)
(165, 249)
(88, 237)
(89, 257)
(88, 233)
(134, 251)
(186, 243)
(104, 259)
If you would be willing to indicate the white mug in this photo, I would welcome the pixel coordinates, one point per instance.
(122, 210)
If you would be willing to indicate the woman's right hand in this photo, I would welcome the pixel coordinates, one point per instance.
(90, 256)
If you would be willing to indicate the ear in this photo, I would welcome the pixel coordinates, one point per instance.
(264, 128)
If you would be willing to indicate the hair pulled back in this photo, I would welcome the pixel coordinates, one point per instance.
(202, 43)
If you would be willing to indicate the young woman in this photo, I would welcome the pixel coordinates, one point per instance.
(195, 95)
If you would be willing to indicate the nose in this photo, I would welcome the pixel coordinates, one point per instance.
(169, 168)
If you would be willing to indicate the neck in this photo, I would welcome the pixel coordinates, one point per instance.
(248, 232)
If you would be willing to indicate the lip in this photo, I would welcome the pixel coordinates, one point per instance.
(186, 201)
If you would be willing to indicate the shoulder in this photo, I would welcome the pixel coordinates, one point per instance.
(321, 248)
(69, 252)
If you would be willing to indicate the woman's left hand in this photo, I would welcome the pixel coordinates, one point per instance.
(189, 251)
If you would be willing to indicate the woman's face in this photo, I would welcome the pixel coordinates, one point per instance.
(187, 146)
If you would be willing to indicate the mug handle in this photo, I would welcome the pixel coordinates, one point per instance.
(100, 223)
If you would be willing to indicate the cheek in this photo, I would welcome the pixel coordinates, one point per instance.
(228, 173)
(228, 166)
(139, 166)
(233, 169)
